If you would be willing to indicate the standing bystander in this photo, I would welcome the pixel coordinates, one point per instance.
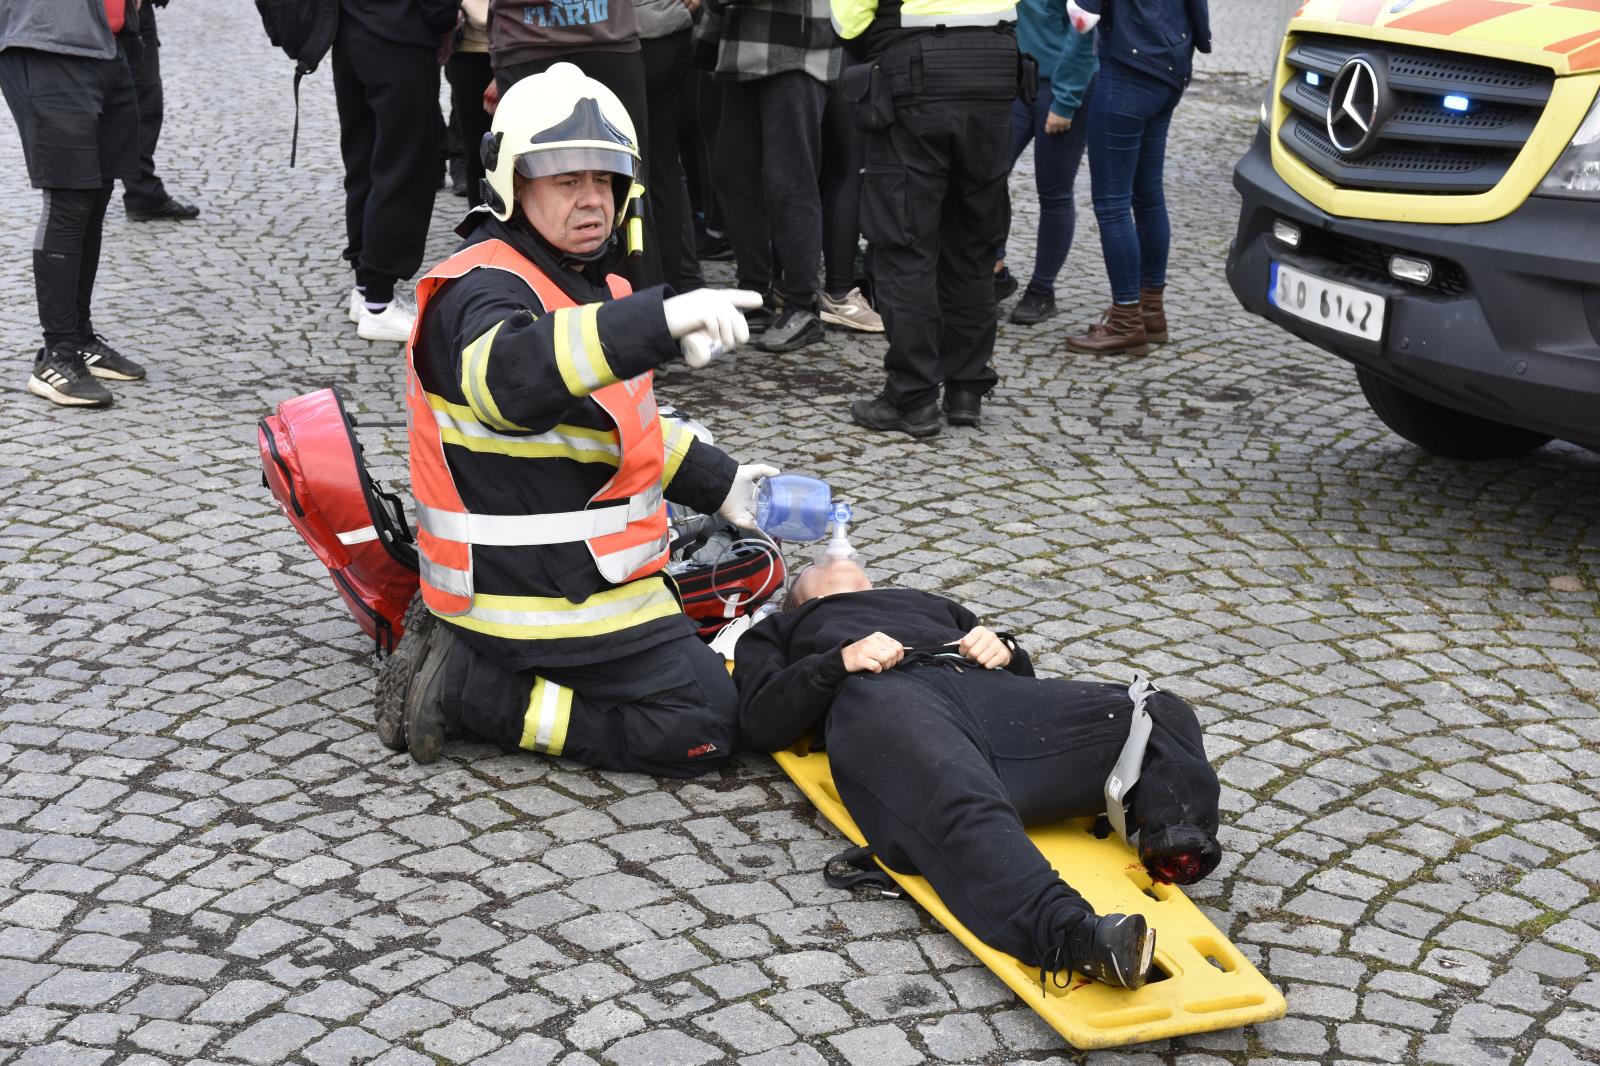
(65, 75)
(1146, 55)
(145, 198)
(776, 59)
(935, 101)
(386, 85)
(470, 75)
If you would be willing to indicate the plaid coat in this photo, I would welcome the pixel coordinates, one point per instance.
(750, 39)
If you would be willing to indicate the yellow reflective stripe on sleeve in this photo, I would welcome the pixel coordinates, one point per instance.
(475, 381)
(579, 355)
(675, 439)
(544, 724)
(852, 17)
(459, 426)
(557, 618)
(562, 335)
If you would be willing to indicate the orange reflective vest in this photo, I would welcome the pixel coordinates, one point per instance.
(624, 524)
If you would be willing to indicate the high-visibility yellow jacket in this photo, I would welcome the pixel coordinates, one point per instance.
(509, 390)
(854, 19)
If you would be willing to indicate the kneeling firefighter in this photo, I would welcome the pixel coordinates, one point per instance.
(539, 465)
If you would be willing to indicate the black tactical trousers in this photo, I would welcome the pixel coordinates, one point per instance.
(934, 207)
(944, 770)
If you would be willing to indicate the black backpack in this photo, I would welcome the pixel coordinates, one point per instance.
(304, 29)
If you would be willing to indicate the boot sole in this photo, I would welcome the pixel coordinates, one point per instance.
(39, 388)
(424, 737)
(1159, 338)
(1137, 349)
(396, 674)
(914, 429)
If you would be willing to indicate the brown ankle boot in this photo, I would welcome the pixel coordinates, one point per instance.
(1152, 302)
(1119, 332)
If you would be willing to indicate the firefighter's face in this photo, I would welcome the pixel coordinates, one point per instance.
(571, 211)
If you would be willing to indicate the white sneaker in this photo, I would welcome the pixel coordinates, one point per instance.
(850, 311)
(393, 323)
(358, 304)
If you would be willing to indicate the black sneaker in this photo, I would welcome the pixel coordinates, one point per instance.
(60, 377)
(398, 670)
(1034, 307)
(171, 209)
(760, 320)
(880, 413)
(795, 328)
(1114, 949)
(962, 407)
(106, 362)
(1004, 284)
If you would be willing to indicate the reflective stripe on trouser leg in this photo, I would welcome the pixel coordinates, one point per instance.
(544, 726)
(1125, 774)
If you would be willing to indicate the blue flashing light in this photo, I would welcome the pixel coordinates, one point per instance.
(1454, 102)
(1313, 78)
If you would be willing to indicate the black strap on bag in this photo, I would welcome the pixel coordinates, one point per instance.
(304, 29)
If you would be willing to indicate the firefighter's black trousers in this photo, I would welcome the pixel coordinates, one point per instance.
(943, 770)
(670, 710)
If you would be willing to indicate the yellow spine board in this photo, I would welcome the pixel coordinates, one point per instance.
(1209, 984)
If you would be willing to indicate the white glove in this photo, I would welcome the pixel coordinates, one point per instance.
(715, 314)
(740, 506)
(1081, 20)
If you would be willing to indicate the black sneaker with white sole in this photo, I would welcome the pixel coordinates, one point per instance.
(60, 377)
(1114, 949)
(106, 362)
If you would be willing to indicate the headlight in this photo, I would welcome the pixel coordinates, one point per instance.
(1576, 174)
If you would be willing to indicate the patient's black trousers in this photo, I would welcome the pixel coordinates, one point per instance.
(942, 770)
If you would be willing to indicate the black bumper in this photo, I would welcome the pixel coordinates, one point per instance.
(1509, 331)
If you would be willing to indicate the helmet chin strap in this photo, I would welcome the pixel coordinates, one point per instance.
(585, 258)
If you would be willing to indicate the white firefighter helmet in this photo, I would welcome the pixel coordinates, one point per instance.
(559, 122)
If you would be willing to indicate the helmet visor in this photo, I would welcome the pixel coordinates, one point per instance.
(574, 159)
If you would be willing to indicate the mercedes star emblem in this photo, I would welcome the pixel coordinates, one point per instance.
(1356, 106)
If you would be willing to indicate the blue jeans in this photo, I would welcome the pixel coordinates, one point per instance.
(1056, 157)
(1128, 118)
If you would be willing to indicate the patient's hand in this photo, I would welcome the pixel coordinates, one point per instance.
(874, 654)
(985, 648)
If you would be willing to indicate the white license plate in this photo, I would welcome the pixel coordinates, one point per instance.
(1327, 303)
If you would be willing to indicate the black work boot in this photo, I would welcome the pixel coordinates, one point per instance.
(1005, 283)
(426, 724)
(1114, 949)
(396, 674)
(881, 414)
(962, 407)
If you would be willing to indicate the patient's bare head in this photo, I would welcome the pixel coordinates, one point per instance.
(827, 579)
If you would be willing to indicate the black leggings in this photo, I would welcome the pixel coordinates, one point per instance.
(843, 156)
(66, 256)
(943, 770)
(666, 67)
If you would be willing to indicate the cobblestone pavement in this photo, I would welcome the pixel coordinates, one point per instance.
(205, 854)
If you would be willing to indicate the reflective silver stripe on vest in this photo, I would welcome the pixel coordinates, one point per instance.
(446, 579)
(1125, 774)
(987, 18)
(557, 527)
(616, 566)
(483, 432)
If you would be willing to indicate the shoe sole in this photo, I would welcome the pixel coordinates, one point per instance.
(1015, 321)
(39, 388)
(806, 339)
(912, 429)
(424, 744)
(1159, 338)
(398, 670)
(962, 420)
(840, 320)
(114, 375)
(381, 335)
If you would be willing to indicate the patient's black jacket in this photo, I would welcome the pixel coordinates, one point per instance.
(790, 665)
